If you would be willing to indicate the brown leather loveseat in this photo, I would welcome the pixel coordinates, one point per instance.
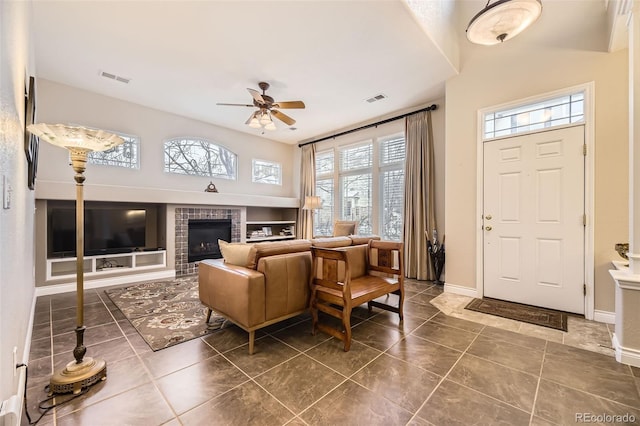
(271, 287)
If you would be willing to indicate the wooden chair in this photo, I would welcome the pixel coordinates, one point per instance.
(345, 278)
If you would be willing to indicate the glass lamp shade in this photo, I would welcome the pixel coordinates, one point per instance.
(502, 21)
(254, 123)
(265, 119)
(312, 203)
(270, 126)
(75, 138)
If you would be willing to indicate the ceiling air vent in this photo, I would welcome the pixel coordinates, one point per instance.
(377, 98)
(115, 77)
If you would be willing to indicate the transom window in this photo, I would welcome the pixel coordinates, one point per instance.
(559, 111)
(266, 172)
(123, 155)
(199, 157)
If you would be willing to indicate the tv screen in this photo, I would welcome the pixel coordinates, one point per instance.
(109, 230)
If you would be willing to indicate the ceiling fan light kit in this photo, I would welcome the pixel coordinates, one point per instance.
(502, 21)
(267, 109)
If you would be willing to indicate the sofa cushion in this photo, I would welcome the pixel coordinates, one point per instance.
(363, 239)
(344, 228)
(260, 250)
(235, 253)
(332, 242)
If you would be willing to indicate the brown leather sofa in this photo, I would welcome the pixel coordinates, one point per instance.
(272, 287)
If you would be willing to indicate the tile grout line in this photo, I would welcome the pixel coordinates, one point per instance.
(535, 396)
(442, 380)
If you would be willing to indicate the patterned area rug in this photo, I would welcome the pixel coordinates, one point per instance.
(516, 311)
(165, 313)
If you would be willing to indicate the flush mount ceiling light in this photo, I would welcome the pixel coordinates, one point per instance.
(502, 20)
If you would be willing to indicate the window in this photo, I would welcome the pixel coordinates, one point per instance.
(123, 155)
(563, 110)
(323, 218)
(392, 157)
(355, 185)
(200, 158)
(368, 179)
(266, 172)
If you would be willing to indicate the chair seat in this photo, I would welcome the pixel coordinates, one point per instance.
(363, 289)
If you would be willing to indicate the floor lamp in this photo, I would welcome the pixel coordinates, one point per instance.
(83, 372)
(313, 203)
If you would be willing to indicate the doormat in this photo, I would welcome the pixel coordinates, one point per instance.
(519, 312)
(165, 313)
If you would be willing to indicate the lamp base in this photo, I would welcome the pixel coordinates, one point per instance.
(77, 376)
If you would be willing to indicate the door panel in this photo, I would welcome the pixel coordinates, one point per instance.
(533, 234)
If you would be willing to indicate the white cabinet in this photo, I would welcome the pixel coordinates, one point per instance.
(65, 267)
(270, 230)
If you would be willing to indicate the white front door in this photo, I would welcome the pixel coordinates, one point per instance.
(533, 219)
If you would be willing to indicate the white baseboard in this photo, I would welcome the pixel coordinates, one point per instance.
(461, 290)
(604, 316)
(106, 282)
(625, 355)
(11, 408)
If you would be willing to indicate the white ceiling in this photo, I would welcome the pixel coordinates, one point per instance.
(184, 57)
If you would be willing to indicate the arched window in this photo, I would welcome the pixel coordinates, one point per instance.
(199, 157)
(124, 155)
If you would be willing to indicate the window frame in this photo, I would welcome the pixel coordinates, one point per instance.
(134, 140)
(390, 167)
(269, 162)
(228, 176)
(376, 171)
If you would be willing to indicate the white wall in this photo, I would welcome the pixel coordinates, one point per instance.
(59, 103)
(511, 71)
(16, 223)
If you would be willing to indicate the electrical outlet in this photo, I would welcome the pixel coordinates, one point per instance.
(15, 361)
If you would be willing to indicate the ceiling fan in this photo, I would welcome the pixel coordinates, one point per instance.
(267, 108)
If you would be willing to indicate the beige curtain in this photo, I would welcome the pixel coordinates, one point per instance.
(307, 188)
(419, 196)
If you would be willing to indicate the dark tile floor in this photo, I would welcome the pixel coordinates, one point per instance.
(433, 369)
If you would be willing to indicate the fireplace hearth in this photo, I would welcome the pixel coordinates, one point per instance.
(203, 238)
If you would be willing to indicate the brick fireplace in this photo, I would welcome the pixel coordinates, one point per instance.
(183, 215)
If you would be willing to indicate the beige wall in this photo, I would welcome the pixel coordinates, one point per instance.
(503, 73)
(59, 103)
(16, 223)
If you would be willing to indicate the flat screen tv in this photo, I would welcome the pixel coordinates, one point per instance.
(106, 230)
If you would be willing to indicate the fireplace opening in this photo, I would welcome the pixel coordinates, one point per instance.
(203, 238)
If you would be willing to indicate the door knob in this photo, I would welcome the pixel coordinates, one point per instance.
(488, 228)
(488, 217)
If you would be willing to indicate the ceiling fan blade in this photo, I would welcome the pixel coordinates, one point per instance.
(256, 95)
(289, 105)
(243, 105)
(283, 117)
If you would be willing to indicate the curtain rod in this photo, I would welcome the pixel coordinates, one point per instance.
(388, 120)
